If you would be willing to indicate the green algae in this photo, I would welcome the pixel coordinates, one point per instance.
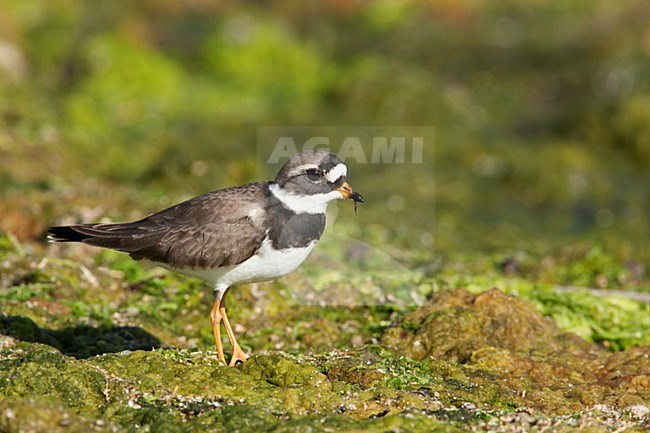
(246, 418)
(281, 371)
(44, 373)
(179, 390)
(463, 359)
(28, 415)
(169, 389)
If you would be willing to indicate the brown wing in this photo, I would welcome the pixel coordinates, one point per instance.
(215, 229)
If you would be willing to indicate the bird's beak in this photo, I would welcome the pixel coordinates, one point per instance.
(348, 192)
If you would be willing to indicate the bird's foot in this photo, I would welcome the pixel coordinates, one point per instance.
(238, 355)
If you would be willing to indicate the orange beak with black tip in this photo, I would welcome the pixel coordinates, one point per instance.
(348, 192)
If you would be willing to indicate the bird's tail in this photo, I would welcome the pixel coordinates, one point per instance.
(126, 237)
(67, 233)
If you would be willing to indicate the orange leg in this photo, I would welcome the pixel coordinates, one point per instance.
(217, 315)
(237, 353)
(216, 318)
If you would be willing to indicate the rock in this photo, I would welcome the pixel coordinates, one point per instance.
(456, 323)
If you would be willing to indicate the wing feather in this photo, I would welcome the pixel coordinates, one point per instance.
(219, 228)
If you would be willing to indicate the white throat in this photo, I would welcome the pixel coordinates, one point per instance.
(313, 204)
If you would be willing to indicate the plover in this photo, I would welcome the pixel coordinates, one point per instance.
(243, 234)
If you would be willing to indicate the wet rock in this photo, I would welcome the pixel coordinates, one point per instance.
(516, 357)
(354, 373)
(457, 323)
(280, 370)
(629, 370)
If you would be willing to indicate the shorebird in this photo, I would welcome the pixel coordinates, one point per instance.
(243, 234)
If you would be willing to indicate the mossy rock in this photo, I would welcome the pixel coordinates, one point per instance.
(30, 415)
(280, 370)
(44, 373)
(456, 323)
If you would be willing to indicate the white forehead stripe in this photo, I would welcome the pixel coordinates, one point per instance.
(336, 172)
(315, 203)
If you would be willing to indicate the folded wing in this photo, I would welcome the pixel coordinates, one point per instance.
(215, 229)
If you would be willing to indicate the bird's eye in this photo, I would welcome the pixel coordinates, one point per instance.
(313, 174)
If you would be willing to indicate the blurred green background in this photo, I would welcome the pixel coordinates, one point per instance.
(541, 112)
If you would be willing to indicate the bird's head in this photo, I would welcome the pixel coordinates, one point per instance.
(313, 178)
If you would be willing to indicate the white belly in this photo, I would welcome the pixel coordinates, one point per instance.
(267, 264)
